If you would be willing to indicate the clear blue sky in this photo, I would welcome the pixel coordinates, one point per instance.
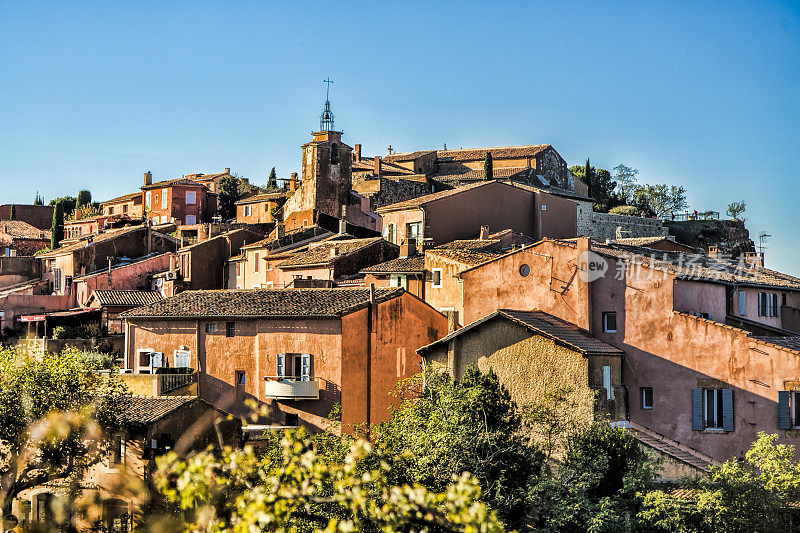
(708, 97)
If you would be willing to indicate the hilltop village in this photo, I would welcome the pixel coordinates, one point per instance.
(317, 295)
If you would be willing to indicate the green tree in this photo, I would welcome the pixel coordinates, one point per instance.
(272, 181)
(12, 214)
(598, 488)
(68, 204)
(297, 487)
(57, 227)
(84, 199)
(661, 199)
(39, 199)
(735, 210)
(228, 196)
(52, 411)
(625, 178)
(470, 425)
(756, 495)
(488, 167)
(602, 188)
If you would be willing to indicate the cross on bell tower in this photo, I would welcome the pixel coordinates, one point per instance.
(326, 118)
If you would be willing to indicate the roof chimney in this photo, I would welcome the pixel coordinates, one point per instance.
(148, 178)
(408, 248)
(372, 293)
(357, 153)
(755, 258)
(293, 182)
(280, 230)
(484, 233)
(334, 250)
(713, 251)
(377, 169)
(343, 221)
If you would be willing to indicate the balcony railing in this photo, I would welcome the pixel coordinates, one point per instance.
(291, 388)
(171, 382)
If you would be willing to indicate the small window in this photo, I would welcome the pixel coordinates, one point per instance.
(191, 198)
(230, 329)
(280, 369)
(712, 413)
(238, 270)
(211, 327)
(742, 303)
(111, 210)
(117, 450)
(163, 199)
(437, 277)
(255, 263)
(647, 397)
(241, 378)
(191, 220)
(124, 208)
(524, 270)
(182, 359)
(292, 420)
(607, 382)
(610, 322)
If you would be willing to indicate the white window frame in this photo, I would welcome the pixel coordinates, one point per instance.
(191, 198)
(163, 198)
(147, 199)
(606, 328)
(644, 398)
(280, 365)
(433, 277)
(138, 363)
(188, 358)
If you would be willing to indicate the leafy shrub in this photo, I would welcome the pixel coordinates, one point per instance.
(627, 210)
(70, 332)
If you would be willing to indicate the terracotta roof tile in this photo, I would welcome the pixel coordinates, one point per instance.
(20, 229)
(665, 445)
(122, 199)
(177, 182)
(387, 167)
(401, 265)
(501, 152)
(262, 303)
(320, 254)
(141, 410)
(126, 298)
(469, 252)
(263, 197)
(407, 156)
(468, 176)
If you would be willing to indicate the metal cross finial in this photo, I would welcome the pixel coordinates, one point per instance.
(390, 149)
(328, 88)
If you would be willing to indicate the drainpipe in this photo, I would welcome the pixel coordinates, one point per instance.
(371, 309)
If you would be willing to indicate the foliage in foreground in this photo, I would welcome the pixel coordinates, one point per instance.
(296, 489)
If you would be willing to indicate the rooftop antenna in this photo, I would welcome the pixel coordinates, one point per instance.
(763, 236)
(326, 118)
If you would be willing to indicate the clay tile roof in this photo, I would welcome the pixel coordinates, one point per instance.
(793, 343)
(502, 152)
(407, 156)
(401, 265)
(541, 323)
(123, 198)
(469, 251)
(291, 237)
(262, 303)
(422, 200)
(126, 298)
(387, 167)
(108, 234)
(274, 195)
(672, 448)
(448, 176)
(320, 254)
(20, 229)
(639, 241)
(142, 410)
(177, 182)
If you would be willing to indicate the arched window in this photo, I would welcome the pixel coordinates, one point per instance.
(334, 154)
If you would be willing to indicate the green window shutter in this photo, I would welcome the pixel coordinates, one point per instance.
(727, 409)
(697, 409)
(784, 409)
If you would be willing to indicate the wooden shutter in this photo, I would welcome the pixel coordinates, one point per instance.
(156, 359)
(727, 409)
(281, 365)
(697, 409)
(784, 409)
(305, 367)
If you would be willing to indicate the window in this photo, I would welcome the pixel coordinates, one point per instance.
(230, 329)
(56, 280)
(246, 211)
(255, 263)
(334, 154)
(437, 277)
(117, 450)
(191, 220)
(182, 358)
(294, 366)
(788, 409)
(241, 377)
(191, 198)
(742, 303)
(238, 270)
(111, 210)
(610, 322)
(647, 397)
(292, 420)
(147, 199)
(143, 357)
(163, 198)
(414, 230)
(391, 233)
(281, 365)
(607, 382)
(712, 409)
(767, 304)
(124, 208)
(398, 280)
(239, 384)
(524, 270)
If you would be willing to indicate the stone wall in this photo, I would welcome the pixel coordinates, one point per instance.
(386, 191)
(14, 270)
(607, 226)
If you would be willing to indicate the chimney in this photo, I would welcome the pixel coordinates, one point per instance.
(713, 252)
(377, 169)
(334, 250)
(343, 220)
(452, 320)
(357, 153)
(484, 233)
(280, 230)
(408, 248)
(372, 293)
(227, 170)
(754, 258)
(293, 182)
(148, 178)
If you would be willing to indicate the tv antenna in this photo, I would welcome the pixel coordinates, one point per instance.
(762, 237)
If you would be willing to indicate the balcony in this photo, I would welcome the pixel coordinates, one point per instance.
(291, 388)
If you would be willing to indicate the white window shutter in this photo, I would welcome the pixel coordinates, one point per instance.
(281, 365)
(156, 359)
(305, 367)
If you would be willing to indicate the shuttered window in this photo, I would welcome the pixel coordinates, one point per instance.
(742, 303)
(785, 409)
(712, 409)
(281, 365)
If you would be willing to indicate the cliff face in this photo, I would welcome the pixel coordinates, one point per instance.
(731, 236)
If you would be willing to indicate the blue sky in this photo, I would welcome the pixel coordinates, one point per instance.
(704, 96)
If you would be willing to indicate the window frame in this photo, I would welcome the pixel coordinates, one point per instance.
(188, 358)
(434, 283)
(717, 409)
(230, 329)
(742, 303)
(193, 220)
(645, 405)
(116, 457)
(193, 196)
(606, 315)
(607, 382)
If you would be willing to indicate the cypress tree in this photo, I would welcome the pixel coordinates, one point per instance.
(12, 215)
(488, 167)
(587, 175)
(57, 227)
(272, 181)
